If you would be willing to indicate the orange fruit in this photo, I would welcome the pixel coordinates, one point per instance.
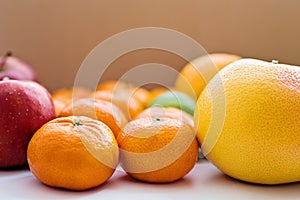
(156, 92)
(101, 110)
(58, 105)
(142, 95)
(139, 93)
(196, 74)
(158, 150)
(112, 85)
(169, 112)
(76, 153)
(66, 95)
(107, 85)
(129, 105)
(63, 96)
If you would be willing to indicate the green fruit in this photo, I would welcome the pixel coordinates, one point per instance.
(175, 99)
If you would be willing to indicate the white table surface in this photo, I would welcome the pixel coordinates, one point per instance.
(203, 182)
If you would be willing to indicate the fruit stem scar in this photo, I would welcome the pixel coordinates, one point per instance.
(157, 119)
(275, 62)
(8, 54)
(77, 123)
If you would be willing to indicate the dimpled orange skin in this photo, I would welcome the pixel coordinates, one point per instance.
(58, 157)
(194, 77)
(101, 110)
(146, 135)
(258, 137)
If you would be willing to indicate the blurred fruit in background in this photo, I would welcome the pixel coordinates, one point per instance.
(129, 98)
(175, 99)
(67, 94)
(139, 93)
(195, 75)
(16, 69)
(142, 95)
(64, 96)
(113, 84)
(128, 104)
(155, 92)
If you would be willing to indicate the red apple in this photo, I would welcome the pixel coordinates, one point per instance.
(16, 69)
(24, 107)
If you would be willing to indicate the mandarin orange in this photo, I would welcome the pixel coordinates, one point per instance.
(64, 96)
(130, 106)
(76, 153)
(157, 150)
(195, 75)
(139, 93)
(101, 110)
(169, 112)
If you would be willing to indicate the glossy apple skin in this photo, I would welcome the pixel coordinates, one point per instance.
(24, 107)
(16, 69)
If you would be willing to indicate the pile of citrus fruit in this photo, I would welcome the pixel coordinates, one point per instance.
(220, 102)
(149, 132)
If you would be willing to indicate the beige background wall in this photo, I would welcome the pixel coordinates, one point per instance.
(55, 36)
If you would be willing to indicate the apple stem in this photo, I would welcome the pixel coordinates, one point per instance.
(8, 54)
